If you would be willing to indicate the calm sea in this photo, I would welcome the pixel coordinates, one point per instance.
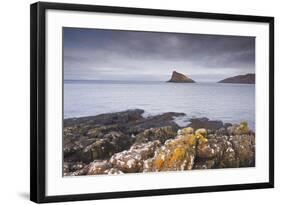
(227, 102)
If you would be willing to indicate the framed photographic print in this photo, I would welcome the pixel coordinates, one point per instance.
(129, 102)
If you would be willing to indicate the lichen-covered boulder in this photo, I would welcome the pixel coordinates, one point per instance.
(78, 172)
(205, 151)
(244, 147)
(98, 167)
(229, 159)
(204, 164)
(177, 154)
(113, 171)
(73, 166)
(239, 129)
(130, 161)
(162, 134)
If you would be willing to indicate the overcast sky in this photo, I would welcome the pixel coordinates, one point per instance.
(152, 56)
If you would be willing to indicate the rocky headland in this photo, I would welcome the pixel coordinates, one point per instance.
(127, 142)
(180, 78)
(242, 79)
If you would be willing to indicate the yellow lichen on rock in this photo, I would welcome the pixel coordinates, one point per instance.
(201, 136)
(159, 162)
(239, 129)
(179, 153)
(201, 139)
(201, 131)
(187, 131)
(243, 127)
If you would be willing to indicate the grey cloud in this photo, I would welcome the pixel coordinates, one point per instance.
(150, 53)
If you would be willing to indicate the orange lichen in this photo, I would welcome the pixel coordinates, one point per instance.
(192, 139)
(177, 155)
(158, 162)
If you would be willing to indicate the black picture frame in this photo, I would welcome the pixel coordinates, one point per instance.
(38, 100)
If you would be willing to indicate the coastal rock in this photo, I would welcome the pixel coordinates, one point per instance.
(239, 129)
(180, 78)
(98, 167)
(157, 121)
(205, 164)
(162, 134)
(228, 151)
(79, 172)
(244, 147)
(106, 119)
(113, 171)
(89, 139)
(111, 143)
(154, 143)
(197, 123)
(130, 161)
(72, 167)
(177, 154)
(73, 148)
(243, 79)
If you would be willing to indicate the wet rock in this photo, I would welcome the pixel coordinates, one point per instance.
(73, 148)
(198, 123)
(106, 119)
(162, 134)
(131, 160)
(111, 143)
(100, 131)
(226, 125)
(157, 121)
(99, 137)
(87, 149)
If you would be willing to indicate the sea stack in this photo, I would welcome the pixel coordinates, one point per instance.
(180, 78)
(240, 79)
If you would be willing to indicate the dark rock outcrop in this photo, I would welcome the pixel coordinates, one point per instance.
(99, 137)
(180, 78)
(153, 144)
(162, 134)
(242, 79)
(204, 122)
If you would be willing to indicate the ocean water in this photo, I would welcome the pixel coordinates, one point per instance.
(217, 101)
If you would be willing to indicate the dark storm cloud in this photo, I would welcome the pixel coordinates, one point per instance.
(108, 54)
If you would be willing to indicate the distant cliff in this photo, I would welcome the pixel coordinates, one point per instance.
(180, 78)
(243, 79)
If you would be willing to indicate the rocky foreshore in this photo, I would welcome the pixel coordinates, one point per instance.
(127, 142)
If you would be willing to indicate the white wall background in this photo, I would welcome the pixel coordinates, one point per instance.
(14, 101)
